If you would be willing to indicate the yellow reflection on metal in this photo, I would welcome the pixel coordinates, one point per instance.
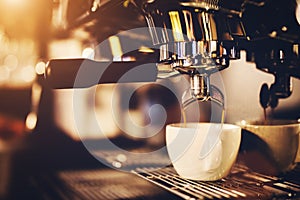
(296, 49)
(145, 49)
(297, 11)
(116, 48)
(209, 27)
(176, 26)
(189, 24)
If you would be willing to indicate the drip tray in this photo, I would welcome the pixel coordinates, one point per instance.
(242, 183)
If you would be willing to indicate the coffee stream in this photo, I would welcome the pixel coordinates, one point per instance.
(266, 117)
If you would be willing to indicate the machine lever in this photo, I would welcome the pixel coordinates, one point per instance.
(83, 73)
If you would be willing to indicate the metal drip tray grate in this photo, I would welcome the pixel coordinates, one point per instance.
(242, 183)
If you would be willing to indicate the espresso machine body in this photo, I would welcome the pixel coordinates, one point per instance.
(241, 55)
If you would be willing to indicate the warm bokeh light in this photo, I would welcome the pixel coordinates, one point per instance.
(11, 61)
(243, 122)
(28, 74)
(4, 74)
(40, 68)
(14, 2)
(96, 5)
(88, 53)
(17, 57)
(31, 121)
(128, 58)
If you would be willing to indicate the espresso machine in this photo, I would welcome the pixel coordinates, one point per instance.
(198, 38)
(192, 38)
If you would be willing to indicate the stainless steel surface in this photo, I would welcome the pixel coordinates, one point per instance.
(206, 34)
(215, 95)
(242, 183)
(96, 184)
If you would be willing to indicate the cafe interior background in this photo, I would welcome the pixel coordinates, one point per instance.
(37, 127)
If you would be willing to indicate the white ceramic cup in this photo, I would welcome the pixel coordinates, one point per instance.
(203, 151)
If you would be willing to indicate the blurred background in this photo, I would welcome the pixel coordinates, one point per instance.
(33, 31)
(24, 35)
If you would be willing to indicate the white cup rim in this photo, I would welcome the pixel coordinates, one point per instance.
(195, 124)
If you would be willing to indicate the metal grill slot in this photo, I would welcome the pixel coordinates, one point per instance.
(242, 183)
(202, 187)
(181, 187)
(286, 188)
(248, 190)
(276, 192)
(293, 186)
(257, 178)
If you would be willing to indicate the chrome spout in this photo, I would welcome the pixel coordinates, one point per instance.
(202, 90)
(200, 87)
